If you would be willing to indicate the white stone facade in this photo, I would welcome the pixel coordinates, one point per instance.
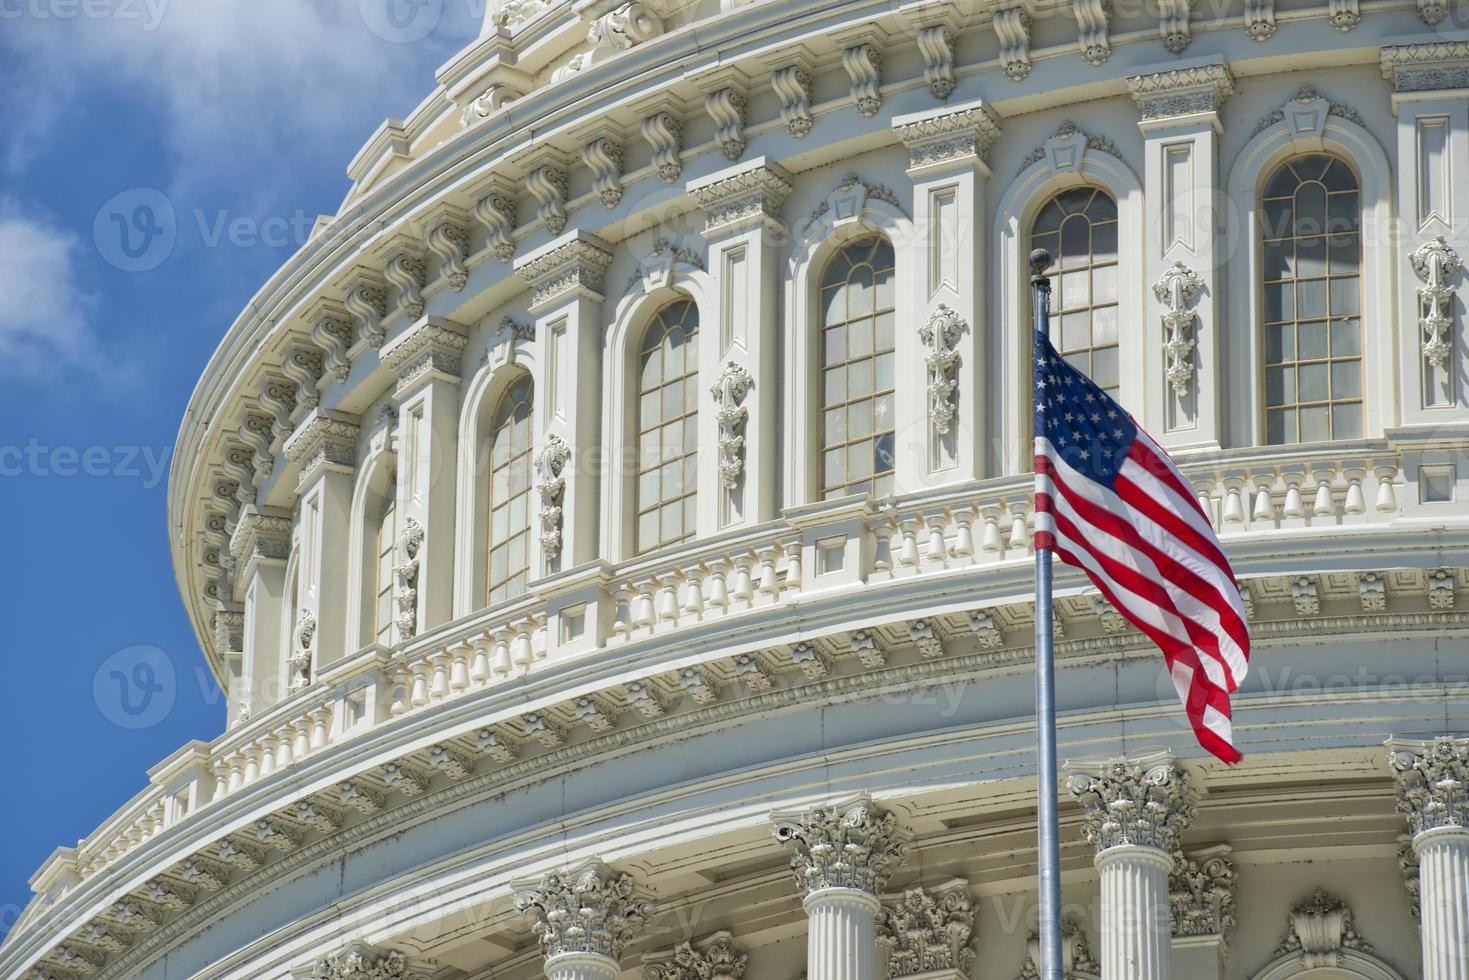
(557, 640)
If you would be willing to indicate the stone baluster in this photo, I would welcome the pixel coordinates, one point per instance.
(419, 696)
(522, 655)
(1356, 503)
(479, 665)
(908, 548)
(842, 856)
(301, 737)
(666, 598)
(991, 540)
(321, 720)
(743, 589)
(623, 619)
(1323, 507)
(439, 686)
(267, 744)
(716, 592)
(938, 546)
(502, 664)
(582, 917)
(793, 566)
(964, 535)
(1433, 793)
(769, 581)
(251, 752)
(459, 667)
(693, 599)
(1133, 813)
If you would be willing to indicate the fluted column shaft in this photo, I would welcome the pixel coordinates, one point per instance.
(1136, 924)
(841, 942)
(1443, 889)
(581, 966)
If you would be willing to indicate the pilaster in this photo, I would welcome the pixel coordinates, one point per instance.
(566, 278)
(582, 917)
(1201, 893)
(1433, 794)
(1182, 382)
(742, 224)
(1429, 86)
(426, 358)
(260, 546)
(324, 449)
(943, 436)
(928, 931)
(1133, 813)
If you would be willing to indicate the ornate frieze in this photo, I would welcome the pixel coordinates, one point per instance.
(603, 157)
(1012, 27)
(574, 266)
(735, 201)
(323, 440)
(1093, 19)
(1428, 67)
(430, 348)
(1433, 263)
(852, 844)
(1181, 91)
(863, 63)
(1431, 776)
(489, 102)
(714, 957)
(260, 535)
(589, 908)
(939, 334)
(729, 393)
(1201, 893)
(936, 46)
(1319, 929)
(1177, 289)
(941, 137)
(1143, 803)
(926, 638)
(927, 930)
(792, 85)
(551, 484)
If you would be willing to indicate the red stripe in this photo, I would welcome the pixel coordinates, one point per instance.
(1177, 574)
(1207, 546)
(1150, 456)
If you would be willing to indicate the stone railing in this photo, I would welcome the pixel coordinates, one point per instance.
(814, 552)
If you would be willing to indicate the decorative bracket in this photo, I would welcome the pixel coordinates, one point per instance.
(1434, 262)
(1178, 287)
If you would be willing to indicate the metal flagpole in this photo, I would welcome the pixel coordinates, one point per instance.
(1048, 849)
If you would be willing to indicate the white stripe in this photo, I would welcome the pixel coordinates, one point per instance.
(1216, 722)
(1185, 604)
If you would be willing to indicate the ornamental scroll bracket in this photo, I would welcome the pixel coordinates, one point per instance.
(1177, 289)
(1433, 263)
(729, 393)
(939, 333)
(551, 468)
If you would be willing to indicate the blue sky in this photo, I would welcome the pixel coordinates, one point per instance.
(231, 113)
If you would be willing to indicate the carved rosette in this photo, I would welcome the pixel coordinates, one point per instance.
(1177, 289)
(714, 958)
(586, 909)
(1431, 779)
(729, 393)
(855, 844)
(939, 333)
(551, 469)
(1137, 803)
(1201, 895)
(1433, 263)
(928, 930)
(1320, 928)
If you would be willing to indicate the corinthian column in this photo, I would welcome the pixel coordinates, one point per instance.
(1431, 777)
(843, 855)
(582, 916)
(1134, 812)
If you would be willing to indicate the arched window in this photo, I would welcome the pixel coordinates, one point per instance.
(384, 551)
(668, 410)
(1079, 228)
(1312, 256)
(508, 571)
(857, 318)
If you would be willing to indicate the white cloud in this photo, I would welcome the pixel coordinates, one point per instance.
(43, 313)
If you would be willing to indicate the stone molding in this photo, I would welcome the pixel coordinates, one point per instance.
(1145, 802)
(1432, 66)
(852, 844)
(432, 347)
(323, 441)
(940, 138)
(260, 535)
(751, 195)
(574, 265)
(588, 908)
(1181, 91)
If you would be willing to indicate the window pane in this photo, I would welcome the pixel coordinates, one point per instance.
(1347, 421)
(1346, 340)
(667, 449)
(1311, 340)
(1315, 423)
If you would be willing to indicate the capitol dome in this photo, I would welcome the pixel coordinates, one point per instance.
(614, 526)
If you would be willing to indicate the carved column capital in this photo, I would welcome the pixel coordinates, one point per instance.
(573, 265)
(714, 957)
(942, 138)
(929, 929)
(1144, 802)
(1201, 892)
(1181, 92)
(1434, 66)
(587, 909)
(1431, 777)
(262, 534)
(742, 197)
(361, 961)
(853, 844)
(431, 348)
(322, 441)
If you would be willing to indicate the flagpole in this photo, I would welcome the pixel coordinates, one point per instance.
(1048, 849)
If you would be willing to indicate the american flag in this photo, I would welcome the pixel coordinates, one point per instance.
(1109, 501)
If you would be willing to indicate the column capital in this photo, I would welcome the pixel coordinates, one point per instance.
(742, 197)
(1178, 95)
(587, 909)
(1144, 802)
(928, 930)
(938, 139)
(262, 534)
(715, 957)
(1434, 66)
(322, 441)
(362, 961)
(572, 266)
(853, 844)
(1431, 776)
(431, 348)
(1201, 892)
